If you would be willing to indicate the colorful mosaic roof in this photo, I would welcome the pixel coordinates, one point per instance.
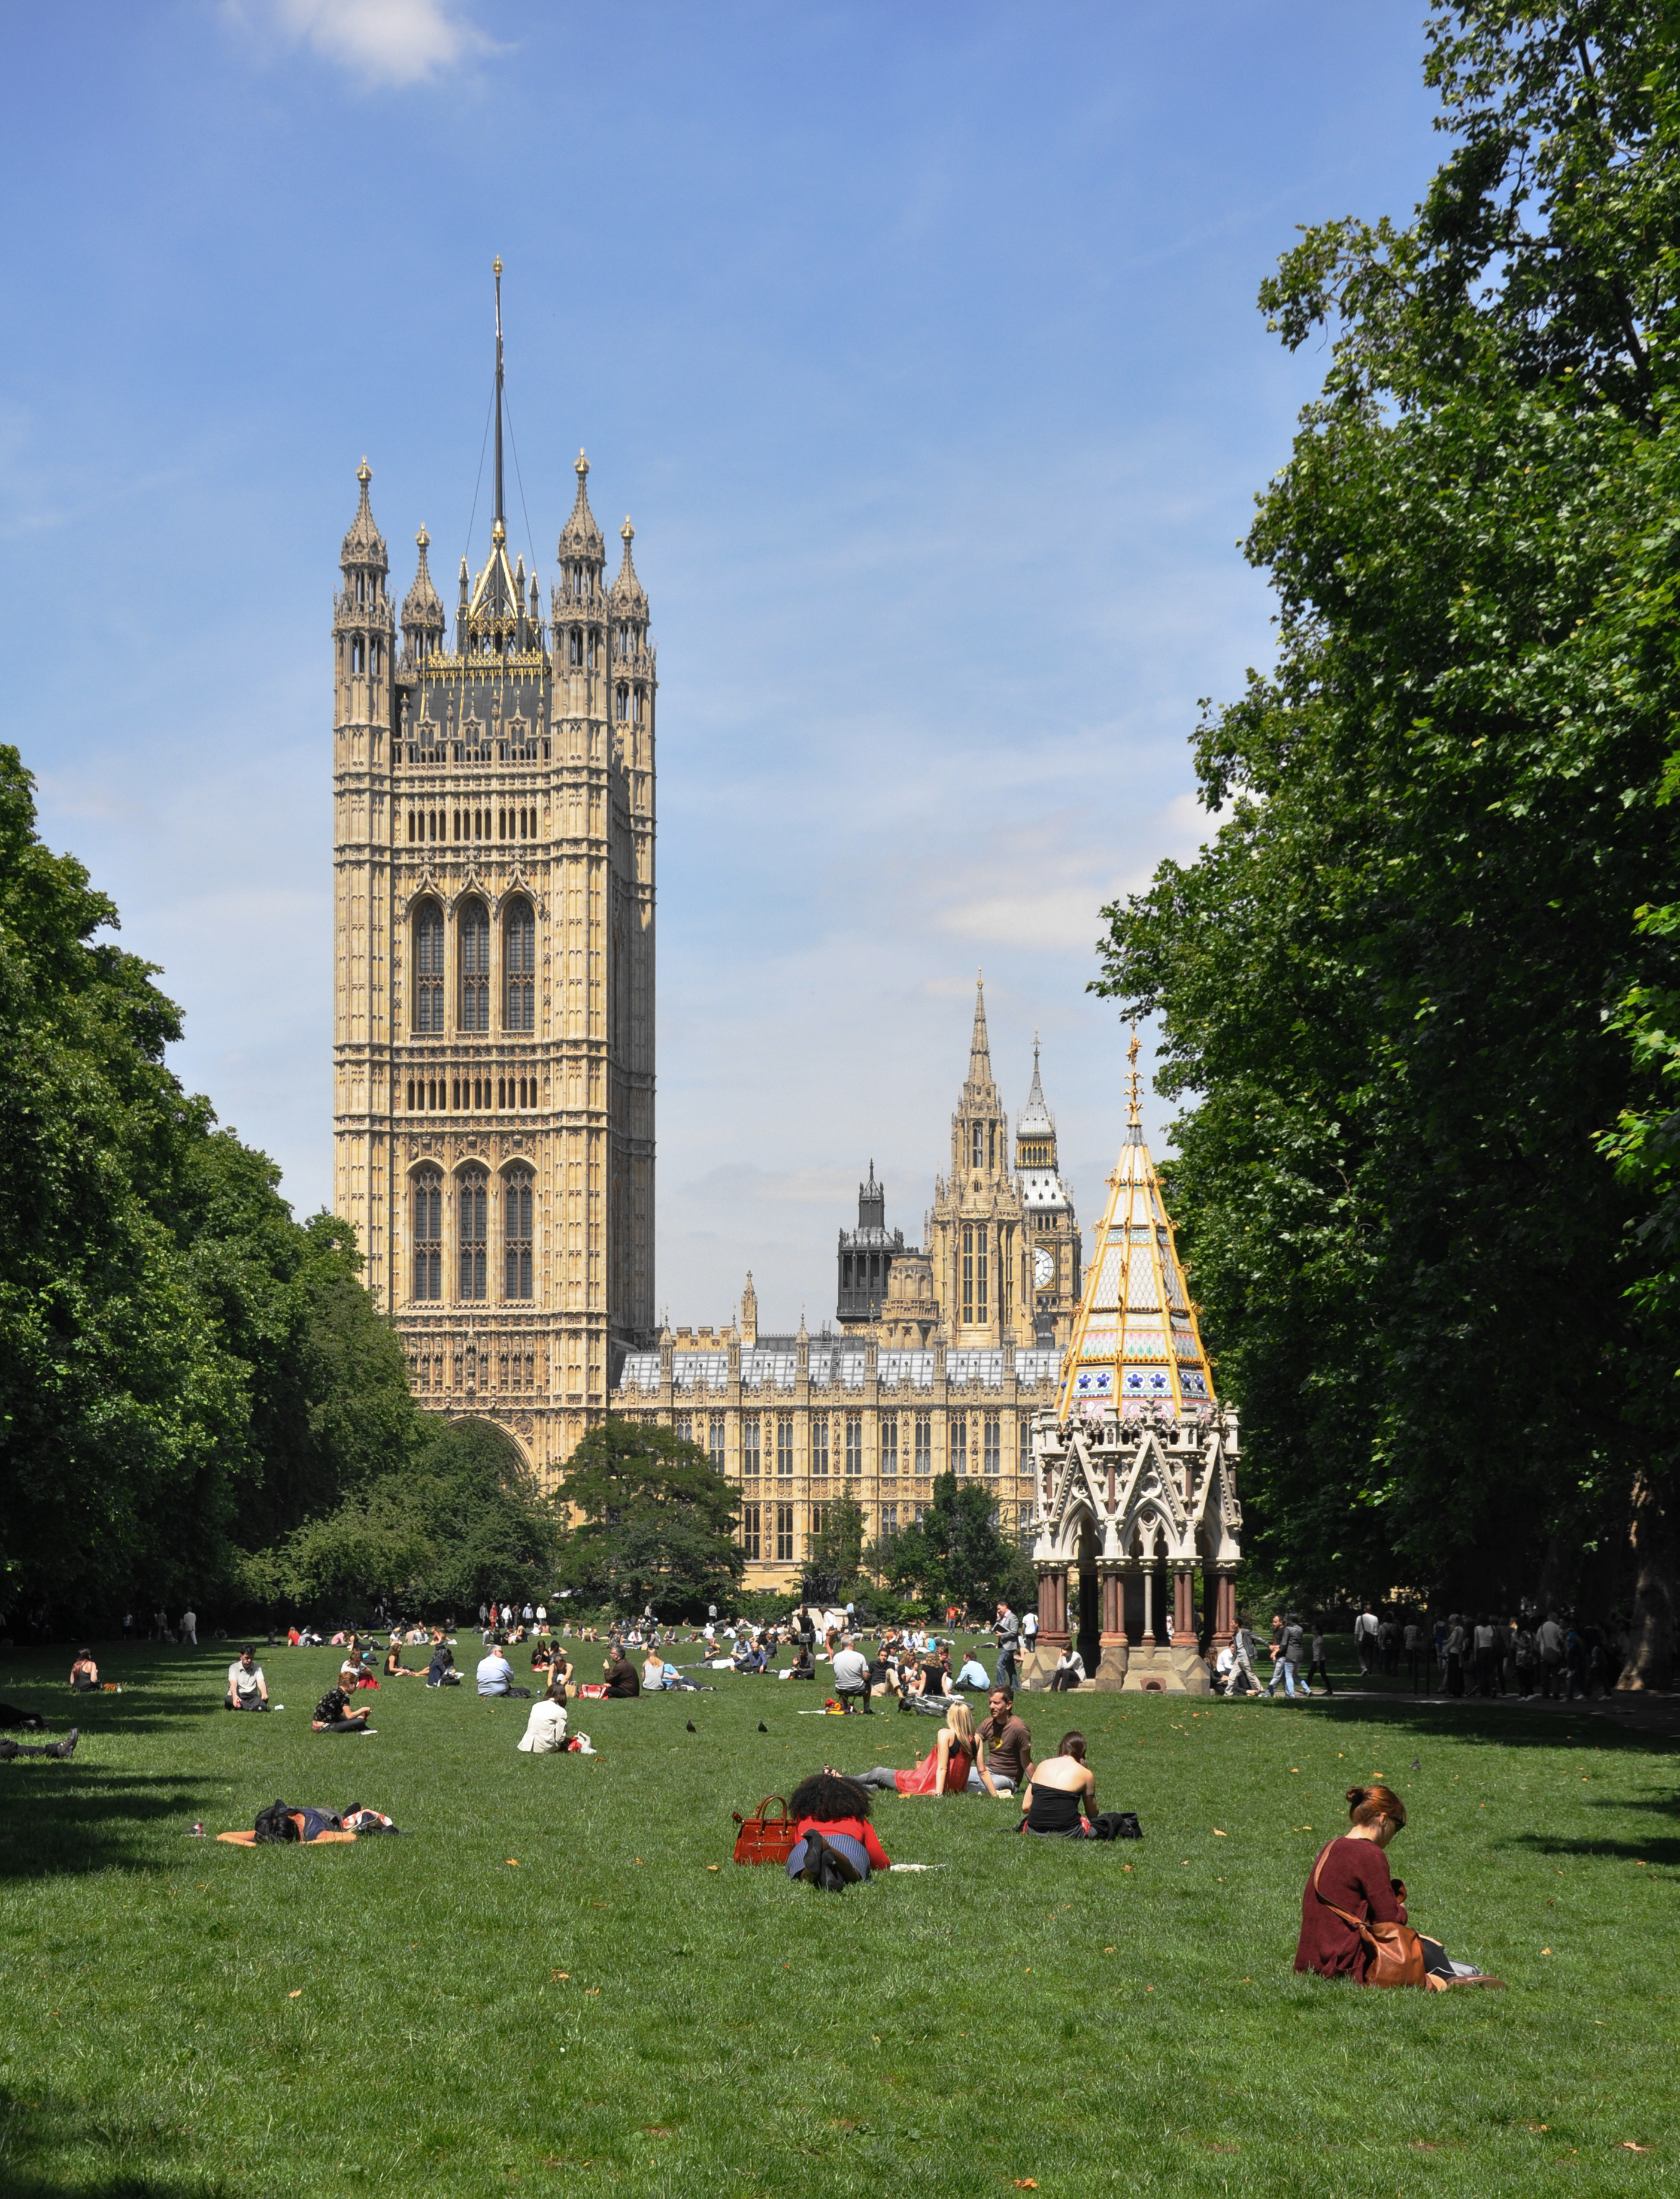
(1136, 1338)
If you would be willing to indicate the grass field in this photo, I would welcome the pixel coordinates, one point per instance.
(547, 1988)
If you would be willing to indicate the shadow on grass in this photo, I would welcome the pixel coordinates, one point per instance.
(1663, 1851)
(36, 2130)
(1506, 1727)
(71, 1819)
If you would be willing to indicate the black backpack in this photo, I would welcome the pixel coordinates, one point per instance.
(1118, 1825)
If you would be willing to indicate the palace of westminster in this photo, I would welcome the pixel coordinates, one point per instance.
(493, 1108)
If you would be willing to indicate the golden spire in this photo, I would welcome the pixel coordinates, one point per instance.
(1134, 1119)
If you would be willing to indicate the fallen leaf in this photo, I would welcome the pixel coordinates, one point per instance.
(513, 1862)
(1218, 1835)
(1026, 2184)
(1424, 2145)
(1545, 1950)
(713, 1866)
(635, 1858)
(1627, 2146)
(591, 1989)
(559, 1974)
(296, 1993)
(1108, 1951)
(657, 2130)
(1224, 2149)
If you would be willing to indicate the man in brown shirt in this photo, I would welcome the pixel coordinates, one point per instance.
(1008, 1746)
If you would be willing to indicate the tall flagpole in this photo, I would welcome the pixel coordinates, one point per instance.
(500, 519)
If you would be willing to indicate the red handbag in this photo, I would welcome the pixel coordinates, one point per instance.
(763, 1838)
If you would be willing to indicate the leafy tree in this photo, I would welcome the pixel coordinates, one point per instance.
(954, 1553)
(185, 1372)
(837, 1547)
(1391, 982)
(462, 1523)
(652, 1520)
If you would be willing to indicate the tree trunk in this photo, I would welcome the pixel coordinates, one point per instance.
(1650, 1658)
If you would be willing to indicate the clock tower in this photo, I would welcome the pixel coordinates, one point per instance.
(1052, 1233)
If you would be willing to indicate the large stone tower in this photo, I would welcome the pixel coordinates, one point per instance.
(493, 1011)
(1049, 1207)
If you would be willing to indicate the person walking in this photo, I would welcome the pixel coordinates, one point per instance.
(1550, 1638)
(1365, 1631)
(1007, 1629)
(189, 1628)
(1455, 1647)
(1287, 1670)
(1525, 1658)
(1417, 1656)
(1318, 1670)
(1242, 1677)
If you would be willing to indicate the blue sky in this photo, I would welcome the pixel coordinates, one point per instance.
(918, 340)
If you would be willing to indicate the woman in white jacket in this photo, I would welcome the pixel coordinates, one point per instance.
(544, 1733)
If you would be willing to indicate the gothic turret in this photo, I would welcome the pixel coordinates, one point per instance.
(866, 1257)
(1047, 1206)
(423, 617)
(363, 626)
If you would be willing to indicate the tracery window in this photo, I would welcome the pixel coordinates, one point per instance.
(784, 1534)
(819, 1444)
(981, 1236)
(959, 1443)
(429, 967)
(751, 1535)
(473, 1202)
(784, 1444)
(516, 1233)
(853, 1445)
(968, 1275)
(714, 1441)
(519, 960)
(749, 1454)
(475, 939)
(979, 1145)
(429, 1233)
(923, 1444)
(994, 1448)
(890, 1447)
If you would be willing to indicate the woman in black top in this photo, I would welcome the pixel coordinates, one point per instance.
(333, 1714)
(1060, 1792)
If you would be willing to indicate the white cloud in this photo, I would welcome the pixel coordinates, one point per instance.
(383, 41)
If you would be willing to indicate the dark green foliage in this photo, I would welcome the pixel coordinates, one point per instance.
(652, 1520)
(837, 1547)
(1390, 981)
(185, 1372)
(955, 1554)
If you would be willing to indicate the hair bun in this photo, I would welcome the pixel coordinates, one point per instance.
(1356, 1795)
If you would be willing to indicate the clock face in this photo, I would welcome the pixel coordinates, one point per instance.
(1044, 1269)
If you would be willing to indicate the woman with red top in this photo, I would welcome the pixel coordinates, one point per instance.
(944, 1770)
(1352, 1873)
(831, 1816)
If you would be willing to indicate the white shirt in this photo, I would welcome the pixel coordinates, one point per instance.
(495, 1674)
(1030, 1626)
(240, 1681)
(544, 1733)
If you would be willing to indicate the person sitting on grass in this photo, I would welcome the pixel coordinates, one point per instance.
(333, 1714)
(1007, 1741)
(561, 1672)
(247, 1688)
(620, 1674)
(656, 1673)
(495, 1676)
(84, 1673)
(974, 1674)
(804, 1666)
(544, 1733)
(394, 1667)
(1061, 1792)
(830, 1817)
(944, 1770)
(441, 1672)
(1351, 1881)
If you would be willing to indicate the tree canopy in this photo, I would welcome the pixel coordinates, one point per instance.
(1417, 988)
(954, 1553)
(651, 1521)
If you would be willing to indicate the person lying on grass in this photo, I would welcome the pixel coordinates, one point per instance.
(1061, 1792)
(1352, 1873)
(247, 1688)
(84, 1673)
(831, 1813)
(944, 1770)
(333, 1714)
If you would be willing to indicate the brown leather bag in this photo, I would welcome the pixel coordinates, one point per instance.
(763, 1838)
(1396, 1951)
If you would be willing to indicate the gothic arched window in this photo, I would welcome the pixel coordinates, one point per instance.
(429, 967)
(519, 963)
(979, 1144)
(623, 704)
(429, 1233)
(473, 932)
(473, 1199)
(516, 1233)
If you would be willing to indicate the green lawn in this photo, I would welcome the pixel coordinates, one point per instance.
(547, 1989)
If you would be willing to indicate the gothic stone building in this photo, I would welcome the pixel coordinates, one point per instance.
(943, 1359)
(494, 983)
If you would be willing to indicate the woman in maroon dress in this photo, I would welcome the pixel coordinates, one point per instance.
(1352, 1873)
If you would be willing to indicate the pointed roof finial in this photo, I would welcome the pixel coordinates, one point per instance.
(979, 1046)
(499, 513)
(1134, 1082)
(364, 475)
(627, 591)
(580, 538)
(422, 609)
(364, 545)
